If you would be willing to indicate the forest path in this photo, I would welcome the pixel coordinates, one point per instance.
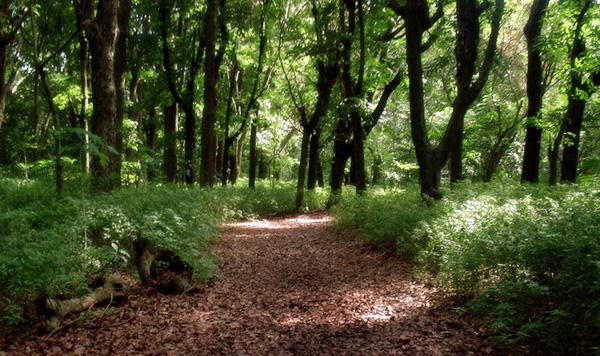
(290, 286)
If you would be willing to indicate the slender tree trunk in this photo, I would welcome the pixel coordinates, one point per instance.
(252, 155)
(83, 119)
(186, 99)
(170, 154)
(302, 168)
(57, 142)
(535, 92)
(553, 153)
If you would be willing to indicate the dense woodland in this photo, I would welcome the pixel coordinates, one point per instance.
(461, 134)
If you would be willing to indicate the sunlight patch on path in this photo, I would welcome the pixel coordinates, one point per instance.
(278, 224)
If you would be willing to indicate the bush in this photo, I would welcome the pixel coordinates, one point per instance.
(527, 256)
(386, 218)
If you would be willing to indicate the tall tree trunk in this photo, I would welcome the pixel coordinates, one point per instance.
(185, 99)
(535, 92)
(57, 142)
(11, 25)
(120, 70)
(418, 20)
(101, 30)
(170, 154)
(579, 92)
(209, 140)
(83, 113)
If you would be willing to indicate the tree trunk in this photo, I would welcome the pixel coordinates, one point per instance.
(209, 140)
(187, 98)
(189, 145)
(170, 154)
(120, 71)
(11, 25)
(568, 171)
(83, 119)
(263, 168)
(101, 31)
(302, 168)
(577, 101)
(313, 160)
(57, 141)
(252, 155)
(535, 92)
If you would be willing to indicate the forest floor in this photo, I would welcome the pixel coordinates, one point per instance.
(289, 286)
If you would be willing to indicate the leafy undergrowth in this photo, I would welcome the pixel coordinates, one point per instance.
(52, 247)
(289, 286)
(528, 257)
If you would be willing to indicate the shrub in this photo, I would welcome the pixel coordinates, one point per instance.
(386, 218)
(527, 256)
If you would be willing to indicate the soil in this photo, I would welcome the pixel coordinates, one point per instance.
(289, 286)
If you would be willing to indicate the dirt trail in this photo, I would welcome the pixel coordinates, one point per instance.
(290, 286)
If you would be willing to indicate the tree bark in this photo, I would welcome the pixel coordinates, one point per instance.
(83, 113)
(313, 159)
(120, 71)
(170, 154)
(209, 117)
(418, 20)
(252, 159)
(11, 26)
(579, 93)
(535, 92)
(186, 98)
(101, 30)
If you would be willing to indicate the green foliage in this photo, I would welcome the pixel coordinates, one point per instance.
(50, 247)
(380, 219)
(526, 256)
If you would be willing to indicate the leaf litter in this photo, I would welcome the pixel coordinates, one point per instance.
(289, 286)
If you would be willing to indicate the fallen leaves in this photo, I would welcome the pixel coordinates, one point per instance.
(290, 286)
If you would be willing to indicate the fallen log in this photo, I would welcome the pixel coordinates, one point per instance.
(57, 310)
